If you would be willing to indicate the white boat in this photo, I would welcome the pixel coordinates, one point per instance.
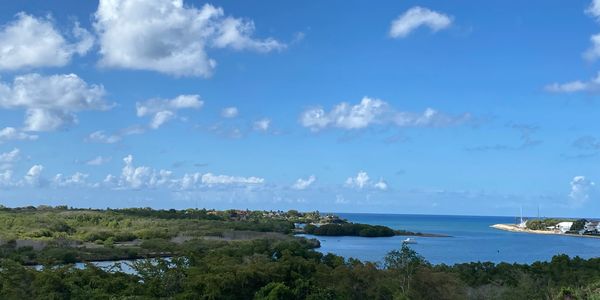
(409, 241)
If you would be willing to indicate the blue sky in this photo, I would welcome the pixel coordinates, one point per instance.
(453, 107)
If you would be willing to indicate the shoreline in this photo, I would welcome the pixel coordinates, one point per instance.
(515, 228)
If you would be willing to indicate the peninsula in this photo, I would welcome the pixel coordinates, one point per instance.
(554, 226)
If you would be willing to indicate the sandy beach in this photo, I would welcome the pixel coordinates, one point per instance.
(515, 228)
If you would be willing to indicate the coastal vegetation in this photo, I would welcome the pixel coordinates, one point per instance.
(575, 226)
(350, 229)
(290, 269)
(244, 255)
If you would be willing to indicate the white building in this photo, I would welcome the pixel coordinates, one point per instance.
(563, 226)
(593, 226)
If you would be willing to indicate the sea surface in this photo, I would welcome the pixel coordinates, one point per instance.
(471, 239)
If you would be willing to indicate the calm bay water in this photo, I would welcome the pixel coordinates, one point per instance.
(472, 240)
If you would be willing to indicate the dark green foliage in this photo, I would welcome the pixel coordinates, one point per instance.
(543, 224)
(578, 225)
(350, 229)
(268, 269)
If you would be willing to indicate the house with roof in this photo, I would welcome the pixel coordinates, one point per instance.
(562, 227)
(591, 227)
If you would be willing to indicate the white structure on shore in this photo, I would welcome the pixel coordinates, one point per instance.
(563, 227)
(592, 227)
(523, 224)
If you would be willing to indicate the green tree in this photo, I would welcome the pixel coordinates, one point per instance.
(404, 262)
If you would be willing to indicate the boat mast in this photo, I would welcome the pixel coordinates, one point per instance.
(521, 214)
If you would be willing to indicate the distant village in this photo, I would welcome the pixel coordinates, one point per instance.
(581, 226)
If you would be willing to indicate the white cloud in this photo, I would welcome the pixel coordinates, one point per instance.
(593, 52)
(138, 177)
(210, 179)
(236, 33)
(363, 181)
(360, 181)
(11, 133)
(302, 184)
(229, 112)
(98, 161)
(417, 17)
(101, 137)
(374, 112)
(77, 179)
(198, 180)
(161, 118)
(169, 37)
(164, 110)
(51, 101)
(10, 157)
(581, 189)
(381, 185)
(6, 179)
(135, 177)
(262, 124)
(142, 177)
(34, 176)
(575, 86)
(594, 9)
(30, 42)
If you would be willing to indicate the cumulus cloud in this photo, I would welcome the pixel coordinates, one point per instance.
(229, 112)
(6, 179)
(76, 180)
(591, 85)
(169, 37)
(51, 102)
(581, 190)
(593, 52)
(34, 176)
(302, 184)
(363, 181)
(101, 137)
(374, 112)
(139, 177)
(381, 185)
(11, 133)
(164, 110)
(594, 10)
(29, 42)
(417, 17)
(98, 161)
(360, 181)
(210, 179)
(262, 124)
(10, 156)
(198, 180)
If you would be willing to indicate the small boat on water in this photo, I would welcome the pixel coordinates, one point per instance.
(409, 241)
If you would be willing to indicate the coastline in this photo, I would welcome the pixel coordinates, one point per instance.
(515, 228)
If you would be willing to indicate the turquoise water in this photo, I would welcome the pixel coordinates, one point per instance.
(472, 240)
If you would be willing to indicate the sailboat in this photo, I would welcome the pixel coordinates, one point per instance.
(409, 241)
(522, 224)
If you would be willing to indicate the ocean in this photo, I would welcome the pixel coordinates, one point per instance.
(471, 240)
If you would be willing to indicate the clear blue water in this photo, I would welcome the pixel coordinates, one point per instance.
(472, 240)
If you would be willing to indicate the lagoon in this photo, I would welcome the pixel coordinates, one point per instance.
(472, 239)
